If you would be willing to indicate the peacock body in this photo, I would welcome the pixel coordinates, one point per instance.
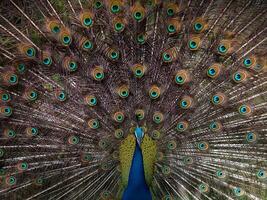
(133, 100)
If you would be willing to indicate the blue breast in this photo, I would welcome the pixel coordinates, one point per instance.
(137, 188)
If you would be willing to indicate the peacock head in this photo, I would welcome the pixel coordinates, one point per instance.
(139, 134)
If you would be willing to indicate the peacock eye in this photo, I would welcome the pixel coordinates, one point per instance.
(10, 133)
(118, 117)
(141, 39)
(21, 68)
(72, 66)
(203, 187)
(220, 173)
(47, 61)
(87, 21)
(214, 71)
(87, 45)
(171, 145)
(114, 55)
(156, 134)
(247, 62)
(186, 102)
(66, 40)
(222, 49)
(251, 137)
(6, 111)
(73, 139)
(188, 160)
(171, 28)
(23, 166)
(119, 27)
(158, 117)
(238, 191)
(5, 97)
(261, 174)
(193, 44)
(32, 131)
(119, 133)
(198, 27)
(203, 146)
(91, 100)
(182, 126)
(170, 12)
(56, 29)
(32, 95)
(166, 57)
(98, 4)
(154, 92)
(240, 76)
(30, 52)
(245, 109)
(166, 170)
(115, 8)
(11, 180)
(138, 15)
(93, 124)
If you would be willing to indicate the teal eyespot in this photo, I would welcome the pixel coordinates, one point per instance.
(183, 104)
(66, 40)
(33, 131)
(171, 145)
(247, 62)
(193, 44)
(141, 39)
(244, 109)
(30, 52)
(139, 73)
(198, 27)
(5, 97)
(179, 79)
(216, 99)
(203, 187)
(158, 117)
(181, 126)
(211, 72)
(21, 68)
(215, 126)
(154, 92)
(61, 96)
(11, 180)
(114, 55)
(261, 174)
(91, 100)
(99, 76)
(73, 139)
(238, 191)
(203, 146)
(251, 137)
(240, 76)
(222, 49)
(87, 45)
(56, 29)
(87, 21)
(171, 28)
(23, 166)
(138, 16)
(220, 173)
(166, 57)
(10, 133)
(47, 61)
(6, 111)
(72, 66)
(98, 4)
(119, 27)
(170, 12)
(32, 95)
(123, 92)
(13, 79)
(166, 170)
(119, 117)
(93, 124)
(155, 134)
(115, 8)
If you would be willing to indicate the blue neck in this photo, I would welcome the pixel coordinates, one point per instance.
(137, 187)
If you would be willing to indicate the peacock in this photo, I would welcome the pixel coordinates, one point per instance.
(133, 99)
